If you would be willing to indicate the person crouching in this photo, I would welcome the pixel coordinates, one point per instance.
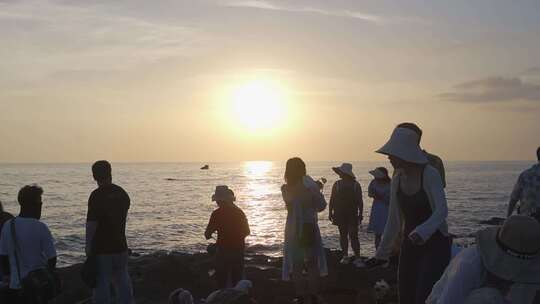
(232, 227)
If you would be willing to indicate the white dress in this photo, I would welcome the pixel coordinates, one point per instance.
(301, 209)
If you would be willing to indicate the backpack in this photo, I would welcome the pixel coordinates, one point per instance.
(346, 195)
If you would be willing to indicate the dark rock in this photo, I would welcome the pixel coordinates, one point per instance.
(155, 276)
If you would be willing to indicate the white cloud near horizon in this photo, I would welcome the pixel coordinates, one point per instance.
(494, 89)
(266, 5)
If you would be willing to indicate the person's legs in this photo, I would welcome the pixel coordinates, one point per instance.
(300, 283)
(121, 279)
(237, 266)
(222, 269)
(435, 259)
(407, 273)
(312, 266)
(102, 291)
(353, 235)
(344, 239)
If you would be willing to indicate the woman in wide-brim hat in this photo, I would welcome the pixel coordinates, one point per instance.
(379, 190)
(418, 212)
(345, 211)
(506, 258)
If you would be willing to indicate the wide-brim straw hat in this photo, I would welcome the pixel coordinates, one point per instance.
(345, 168)
(378, 173)
(404, 144)
(512, 252)
(223, 193)
(485, 295)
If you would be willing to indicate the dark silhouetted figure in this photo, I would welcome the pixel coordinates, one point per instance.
(108, 207)
(232, 227)
(527, 191)
(4, 217)
(379, 190)
(26, 245)
(346, 211)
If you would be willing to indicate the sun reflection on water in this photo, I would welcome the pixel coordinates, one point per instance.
(261, 193)
(257, 168)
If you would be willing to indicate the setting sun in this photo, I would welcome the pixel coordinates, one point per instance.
(259, 105)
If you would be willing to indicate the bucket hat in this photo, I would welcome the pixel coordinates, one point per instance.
(403, 143)
(346, 169)
(378, 173)
(223, 193)
(512, 251)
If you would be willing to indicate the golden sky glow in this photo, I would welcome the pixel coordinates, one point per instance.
(229, 80)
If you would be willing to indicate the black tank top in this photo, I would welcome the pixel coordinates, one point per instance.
(415, 208)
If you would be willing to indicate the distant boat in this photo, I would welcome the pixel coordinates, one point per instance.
(205, 167)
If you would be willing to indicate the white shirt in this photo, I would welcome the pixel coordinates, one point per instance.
(466, 273)
(36, 247)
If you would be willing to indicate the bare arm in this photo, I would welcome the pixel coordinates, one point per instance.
(511, 206)
(332, 202)
(360, 202)
(210, 228)
(515, 196)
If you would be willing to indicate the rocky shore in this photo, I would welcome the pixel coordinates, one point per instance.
(155, 276)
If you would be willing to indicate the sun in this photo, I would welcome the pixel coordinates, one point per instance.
(259, 105)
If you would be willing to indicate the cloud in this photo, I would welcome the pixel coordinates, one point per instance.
(266, 5)
(533, 71)
(494, 89)
(45, 36)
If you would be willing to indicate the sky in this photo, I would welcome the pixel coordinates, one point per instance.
(171, 81)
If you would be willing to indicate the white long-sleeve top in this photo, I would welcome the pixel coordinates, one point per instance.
(433, 186)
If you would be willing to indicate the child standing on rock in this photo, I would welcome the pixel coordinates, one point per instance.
(232, 227)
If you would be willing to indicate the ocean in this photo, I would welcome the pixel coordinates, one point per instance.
(171, 202)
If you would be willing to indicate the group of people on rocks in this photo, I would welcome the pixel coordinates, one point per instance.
(408, 217)
(28, 255)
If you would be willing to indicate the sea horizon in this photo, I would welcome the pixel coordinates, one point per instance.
(171, 201)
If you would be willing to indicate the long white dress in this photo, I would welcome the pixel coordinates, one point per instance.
(302, 208)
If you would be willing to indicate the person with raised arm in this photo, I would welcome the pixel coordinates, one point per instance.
(232, 227)
(303, 247)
